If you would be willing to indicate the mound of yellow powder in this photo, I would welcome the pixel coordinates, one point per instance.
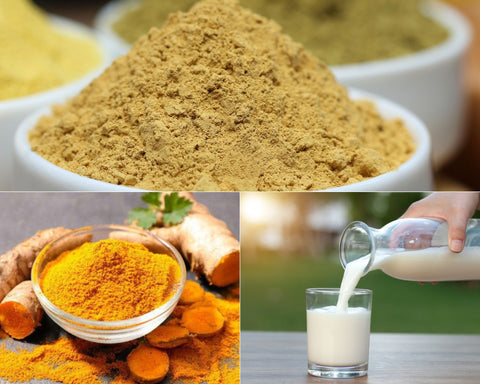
(220, 99)
(35, 55)
(110, 280)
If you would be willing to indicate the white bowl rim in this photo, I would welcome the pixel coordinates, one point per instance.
(99, 324)
(60, 176)
(456, 44)
(57, 175)
(417, 129)
(76, 28)
(110, 13)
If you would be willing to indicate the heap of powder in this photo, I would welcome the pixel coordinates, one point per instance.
(336, 31)
(35, 55)
(213, 360)
(110, 280)
(220, 99)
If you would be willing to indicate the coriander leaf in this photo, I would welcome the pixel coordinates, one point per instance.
(176, 208)
(143, 216)
(152, 198)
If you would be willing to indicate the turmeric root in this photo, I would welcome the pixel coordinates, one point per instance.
(148, 365)
(16, 264)
(206, 243)
(168, 336)
(204, 321)
(20, 311)
(192, 292)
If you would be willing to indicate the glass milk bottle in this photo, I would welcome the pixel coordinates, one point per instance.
(412, 249)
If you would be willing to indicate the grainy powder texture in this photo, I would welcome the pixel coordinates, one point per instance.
(110, 280)
(220, 99)
(336, 31)
(35, 55)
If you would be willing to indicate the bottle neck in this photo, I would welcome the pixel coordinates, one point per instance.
(358, 240)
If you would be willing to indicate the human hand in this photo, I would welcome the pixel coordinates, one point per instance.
(454, 207)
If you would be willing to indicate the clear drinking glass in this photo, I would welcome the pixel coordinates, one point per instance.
(338, 341)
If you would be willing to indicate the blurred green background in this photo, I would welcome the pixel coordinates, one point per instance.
(290, 243)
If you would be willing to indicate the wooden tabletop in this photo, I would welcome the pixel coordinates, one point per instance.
(281, 357)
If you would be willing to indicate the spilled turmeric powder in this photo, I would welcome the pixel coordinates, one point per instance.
(70, 360)
(110, 280)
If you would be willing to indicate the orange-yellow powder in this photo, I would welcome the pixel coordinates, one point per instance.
(67, 360)
(110, 280)
(214, 360)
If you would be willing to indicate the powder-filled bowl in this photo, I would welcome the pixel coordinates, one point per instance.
(416, 173)
(107, 332)
(13, 111)
(429, 82)
(33, 172)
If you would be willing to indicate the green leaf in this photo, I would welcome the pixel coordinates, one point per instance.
(176, 208)
(145, 218)
(152, 198)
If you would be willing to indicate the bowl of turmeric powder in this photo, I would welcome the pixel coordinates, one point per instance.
(108, 283)
(45, 59)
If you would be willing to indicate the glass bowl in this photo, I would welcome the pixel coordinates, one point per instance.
(107, 332)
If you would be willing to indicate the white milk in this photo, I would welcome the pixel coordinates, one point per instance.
(431, 264)
(351, 276)
(338, 338)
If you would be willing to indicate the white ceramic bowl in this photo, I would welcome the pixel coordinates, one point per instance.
(104, 19)
(13, 111)
(429, 83)
(33, 172)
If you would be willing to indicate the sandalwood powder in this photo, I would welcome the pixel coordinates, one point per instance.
(220, 99)
(110, 280)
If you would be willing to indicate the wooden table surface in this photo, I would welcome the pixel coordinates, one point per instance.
(281, 357)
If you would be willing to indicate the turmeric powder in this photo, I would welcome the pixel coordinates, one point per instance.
(213, 360)
(110, 280)
(68, 360)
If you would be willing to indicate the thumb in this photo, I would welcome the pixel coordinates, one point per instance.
(457, 234)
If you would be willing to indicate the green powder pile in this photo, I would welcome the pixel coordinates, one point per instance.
(336, 31)
(220, 99)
